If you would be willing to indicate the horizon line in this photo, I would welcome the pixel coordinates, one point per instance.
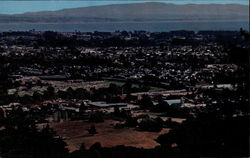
(32, 6)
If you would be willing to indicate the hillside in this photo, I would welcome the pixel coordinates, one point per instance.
(139, 12)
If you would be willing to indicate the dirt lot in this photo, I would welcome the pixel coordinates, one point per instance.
(75, 133)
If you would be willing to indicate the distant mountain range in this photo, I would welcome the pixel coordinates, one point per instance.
(139, 12)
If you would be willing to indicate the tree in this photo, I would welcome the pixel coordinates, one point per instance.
(208, 135)
(62, 94)
(96, 117)
(131, 121)
(117, 111)
(127, 87)
(82, 147)
(162, 107)
(26, 99)
(113, 89)
(146, 102)
(37, 96)
(92, 130)
(151, 125)
(51, 90)
(70, 93)
(20, 138)
(80, 93)
(5, 82)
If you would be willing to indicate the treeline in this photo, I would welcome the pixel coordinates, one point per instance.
(209, 134)
(106, 39)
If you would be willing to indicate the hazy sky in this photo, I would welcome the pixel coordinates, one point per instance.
(21, 6)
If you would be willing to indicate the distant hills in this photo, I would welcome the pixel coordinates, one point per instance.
(139, 12)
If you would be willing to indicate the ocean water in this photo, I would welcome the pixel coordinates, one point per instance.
(152, 27)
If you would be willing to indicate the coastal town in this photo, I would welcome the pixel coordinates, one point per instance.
(139, 88)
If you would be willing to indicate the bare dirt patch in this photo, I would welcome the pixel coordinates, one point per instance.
(75, 133)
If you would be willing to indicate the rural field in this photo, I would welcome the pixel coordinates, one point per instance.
(76, 133)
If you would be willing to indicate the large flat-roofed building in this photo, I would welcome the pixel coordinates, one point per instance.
(100, 104)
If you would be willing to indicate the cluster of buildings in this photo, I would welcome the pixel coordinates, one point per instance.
(184, 63)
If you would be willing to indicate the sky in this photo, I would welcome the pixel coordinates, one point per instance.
(22, 6)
